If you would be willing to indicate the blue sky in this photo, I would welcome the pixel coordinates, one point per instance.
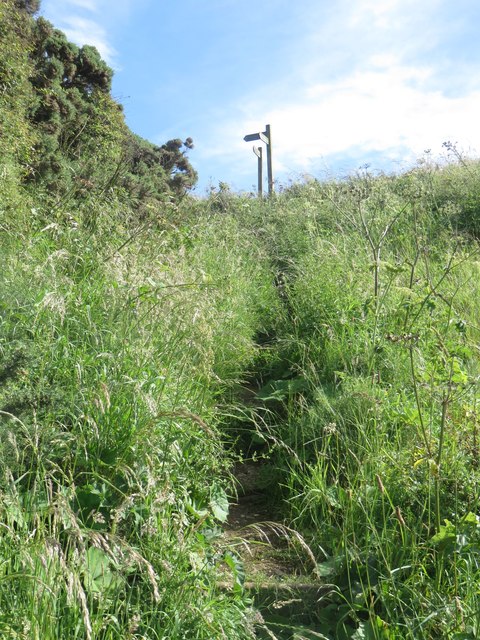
(343, 83)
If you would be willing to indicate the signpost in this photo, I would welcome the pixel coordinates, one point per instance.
(256, 136)
(266, 138)
(258, 151)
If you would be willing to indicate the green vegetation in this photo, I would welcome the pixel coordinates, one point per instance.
(66, 132)
(149, 340)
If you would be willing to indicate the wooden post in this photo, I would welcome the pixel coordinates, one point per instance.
(258, 151)
(268, 133)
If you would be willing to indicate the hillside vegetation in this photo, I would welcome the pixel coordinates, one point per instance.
(149, 340)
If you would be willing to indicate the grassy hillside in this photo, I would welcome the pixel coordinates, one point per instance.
(112, 460)
(126, 353)
(148, 341)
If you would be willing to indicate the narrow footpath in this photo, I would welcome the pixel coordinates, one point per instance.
(279, 567)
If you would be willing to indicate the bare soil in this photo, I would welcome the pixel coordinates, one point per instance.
(269, 550)
(277, 563)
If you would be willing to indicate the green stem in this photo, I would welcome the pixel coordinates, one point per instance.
(443, 423)
(426, 440)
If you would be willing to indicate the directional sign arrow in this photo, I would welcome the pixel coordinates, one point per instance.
(262, 136)
(257, 151)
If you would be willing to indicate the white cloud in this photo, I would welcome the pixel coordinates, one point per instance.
(381, 102)
(378, 111)
(89, 21)
(90, 5)
(384, 15)
(380, 14)
(85, 31)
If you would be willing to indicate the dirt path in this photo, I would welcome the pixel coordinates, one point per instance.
(254, 528)
(278, 565)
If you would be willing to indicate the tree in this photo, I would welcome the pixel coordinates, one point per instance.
(73, 111)
(175, 163)
(152, 169)
(62, 123)
(30, 6)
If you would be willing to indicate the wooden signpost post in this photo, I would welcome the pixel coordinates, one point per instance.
(266, 138)
(258, 151)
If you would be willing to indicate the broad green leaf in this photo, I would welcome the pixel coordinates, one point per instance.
(98, 575)
(219, 503)
(195, 510)
(375, 629)
(327, 568)
(236, 565)
(282, 389)
(446, 535)
(471, 518)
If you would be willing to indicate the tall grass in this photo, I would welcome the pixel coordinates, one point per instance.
(332, 329)
(114, 348)
(377, 374)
